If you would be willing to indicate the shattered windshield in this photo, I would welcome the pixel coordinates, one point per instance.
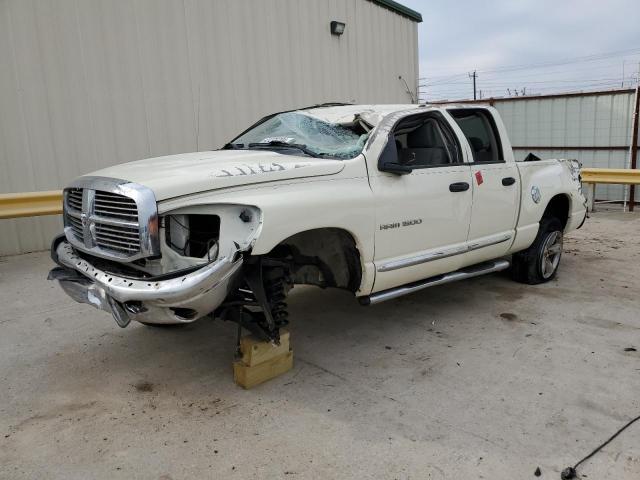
(301, 132)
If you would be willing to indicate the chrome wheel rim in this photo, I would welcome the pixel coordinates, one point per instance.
(551, 253)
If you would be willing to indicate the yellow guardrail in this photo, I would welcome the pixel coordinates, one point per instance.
(621, 176)
(624, 176)
(33, 204)
(30, 204)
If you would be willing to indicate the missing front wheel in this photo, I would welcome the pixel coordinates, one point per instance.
(258, 301)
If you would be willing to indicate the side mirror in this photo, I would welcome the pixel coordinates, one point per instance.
(396, 168)
(388, 161)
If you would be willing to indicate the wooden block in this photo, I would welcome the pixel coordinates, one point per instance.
(262, 361)
(255, 351)
(249, 376)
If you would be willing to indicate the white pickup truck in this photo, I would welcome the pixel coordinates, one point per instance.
(381, 200)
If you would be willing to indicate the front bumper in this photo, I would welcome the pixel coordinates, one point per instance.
(181, 299)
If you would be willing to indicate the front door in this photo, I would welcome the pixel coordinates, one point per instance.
(422, 218)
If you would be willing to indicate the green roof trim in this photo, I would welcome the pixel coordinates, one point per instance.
(399, 8)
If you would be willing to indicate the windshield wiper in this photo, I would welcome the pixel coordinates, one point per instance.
(233, 146)
(279, 144)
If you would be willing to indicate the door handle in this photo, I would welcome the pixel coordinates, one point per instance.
(506, 181)
(459, 187)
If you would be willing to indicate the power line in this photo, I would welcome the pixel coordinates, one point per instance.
(554, 77)
(501, 87)
(542, 65)
(460, 95)
(594, 69)
(587, 58)
(504, 82)
(573, 84)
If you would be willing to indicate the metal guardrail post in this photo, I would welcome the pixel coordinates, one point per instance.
(634, 143)
(591, 197)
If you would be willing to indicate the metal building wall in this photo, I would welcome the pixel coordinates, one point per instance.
(92, 83)
(600, 122)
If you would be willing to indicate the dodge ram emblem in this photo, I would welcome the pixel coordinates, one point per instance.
(92, 230)
(535, 194)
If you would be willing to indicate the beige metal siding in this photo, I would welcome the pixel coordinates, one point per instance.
(577, 121)
(92, 83)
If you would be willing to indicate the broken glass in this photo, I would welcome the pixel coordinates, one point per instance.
(319, 137)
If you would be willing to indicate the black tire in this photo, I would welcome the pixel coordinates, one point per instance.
(539, 263)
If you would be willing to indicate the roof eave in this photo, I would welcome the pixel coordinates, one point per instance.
(400, 9)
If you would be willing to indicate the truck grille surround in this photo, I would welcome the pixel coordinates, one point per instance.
(111, 218)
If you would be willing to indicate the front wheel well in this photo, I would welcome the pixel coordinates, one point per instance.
(326, 257)
(558, 207)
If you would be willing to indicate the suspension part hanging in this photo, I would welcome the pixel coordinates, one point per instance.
(276, 282)
(267, 282)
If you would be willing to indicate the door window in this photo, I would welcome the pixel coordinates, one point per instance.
(481, 133)
(426, 141)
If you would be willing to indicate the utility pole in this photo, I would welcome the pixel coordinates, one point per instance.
(473, 76)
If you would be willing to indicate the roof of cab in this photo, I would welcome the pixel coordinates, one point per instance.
(373, 113)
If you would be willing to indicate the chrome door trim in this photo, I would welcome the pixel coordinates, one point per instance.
(444, 253)
(487, 242)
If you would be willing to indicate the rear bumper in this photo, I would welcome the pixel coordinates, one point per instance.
(181, 299)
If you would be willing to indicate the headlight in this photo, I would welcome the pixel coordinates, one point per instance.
(193, 235)
(210, 231)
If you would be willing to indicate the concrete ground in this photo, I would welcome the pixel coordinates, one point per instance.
(485, 378)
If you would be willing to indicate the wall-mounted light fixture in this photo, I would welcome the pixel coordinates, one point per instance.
(337, 28)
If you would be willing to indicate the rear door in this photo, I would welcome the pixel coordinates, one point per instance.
(496, 185)
(422, 218)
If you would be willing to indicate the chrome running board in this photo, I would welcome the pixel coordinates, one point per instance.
(469, 272)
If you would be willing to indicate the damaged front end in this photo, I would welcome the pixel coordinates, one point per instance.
(118, 255)
(181, 297)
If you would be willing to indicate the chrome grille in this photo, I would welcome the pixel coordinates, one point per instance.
(116, 238)
(76, 227)
(74, 199)
(115, 205)
(108, 223)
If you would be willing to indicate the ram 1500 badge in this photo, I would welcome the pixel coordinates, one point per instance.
(381, 200)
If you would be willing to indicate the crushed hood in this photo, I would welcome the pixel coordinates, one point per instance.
(188, 173)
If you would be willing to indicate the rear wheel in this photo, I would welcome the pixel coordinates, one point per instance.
(539, 263)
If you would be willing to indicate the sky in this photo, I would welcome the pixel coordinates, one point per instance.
(530, 46)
